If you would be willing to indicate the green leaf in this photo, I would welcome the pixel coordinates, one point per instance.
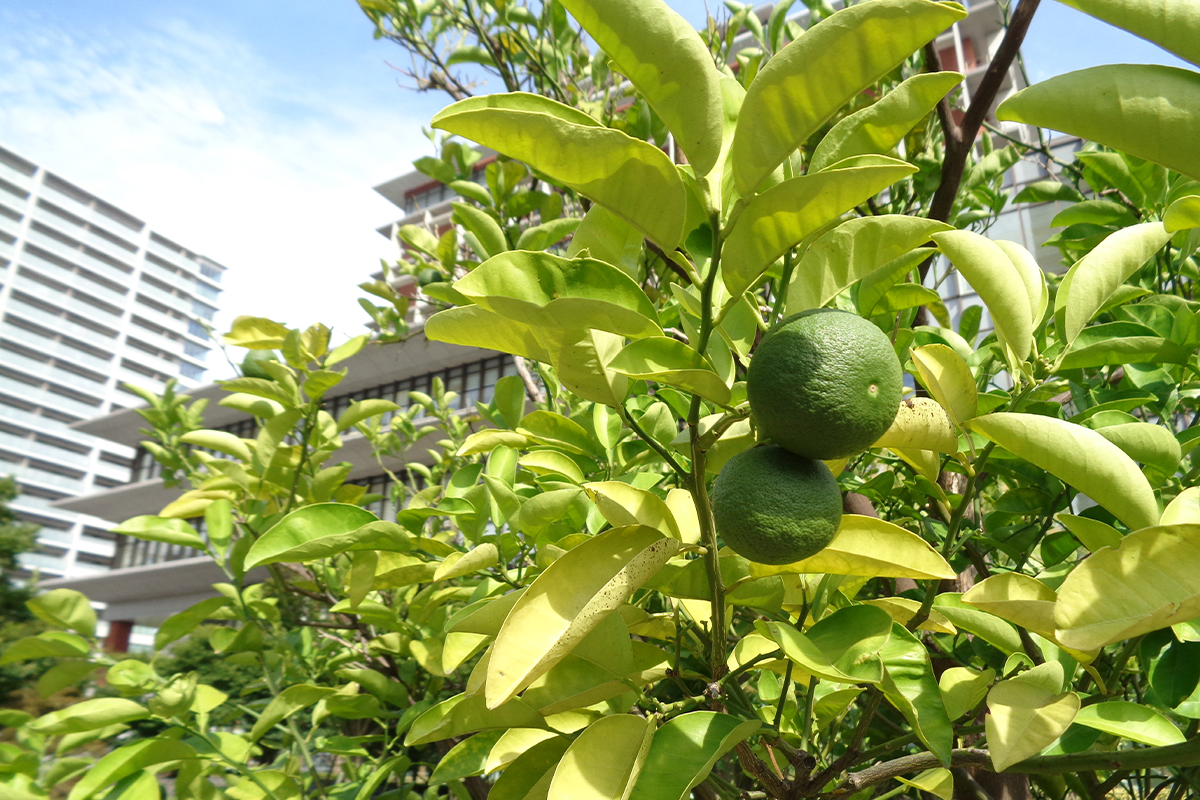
(910, 685)
(88, 715)
(461, 714)
(1149, 111)
(1150, 581)
(1183, 214)
(531, 770)
(1047, 192)
(1024, 717)
(161, 529)
(552, 462)
(1032, 276)
(50, 644)
(63, 674)
(181, 624)
(1093, 533)
(569, 599)
(220, 441)
(781, 217)
(127, 760)
(843, 647)
(1172, 667)
(921, 424)
(605, 236)
(256, 333)
(456, 565)
(991, 629)
(851, 252)
(604, 761)
(1184, 508)
(250, 404)
(1130, 721)
(1116, 343)
(671, 362)
(485, 229)
(632, 178)
(1095, 277)
(937, 782)
(622, 504)
(661, 54)
(594, 671)
(963, 689)
(64, 608)
(473, 326)
(283, 705)
(322, 530)
(512, 745)
(1152, 445)
(810, 79)
(1173, 25)
(581, 360)
(869, 547)
(540, 237)
(555, 430)
(948, 379)
(684, 751)
(877, 285)
(998, 282)
(546, 291)
(466, 758)
(879, 127)
(1078, 456)
(361, 410)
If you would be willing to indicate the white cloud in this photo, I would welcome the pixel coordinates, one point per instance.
(219, 150)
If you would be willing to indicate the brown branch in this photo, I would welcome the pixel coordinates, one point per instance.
(531, 388)
(959, 146)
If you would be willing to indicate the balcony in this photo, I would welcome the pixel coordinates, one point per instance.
(86, 213)
(16, 177)
(56, 322)
(48, 399)
(64, 275)
(28, 447)
(181, 304)
(89, 238)
(173, 256)
(51, 479)
(9, 226)
(154, 362)
(45, 371)
(59, 350)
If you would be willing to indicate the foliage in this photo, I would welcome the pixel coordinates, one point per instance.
(550, 613)
(16, 537)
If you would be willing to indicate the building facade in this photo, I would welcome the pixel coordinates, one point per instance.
(91, 299)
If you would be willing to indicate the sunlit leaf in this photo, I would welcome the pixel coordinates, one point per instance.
(322, 530)
(810, 79)
(684, 751)
(622, 504)
(910, 685)
(948, 379)
(604, 761)
(963, 689)
(1150, 111)
(843, 647)
(671, 362)
(784, 215)
(1079, 456)
(921, 423)
(1023, 718)
(1130, 721)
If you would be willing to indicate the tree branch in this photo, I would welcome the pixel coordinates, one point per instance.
(958, 147)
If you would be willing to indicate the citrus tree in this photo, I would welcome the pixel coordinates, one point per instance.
(623, 575)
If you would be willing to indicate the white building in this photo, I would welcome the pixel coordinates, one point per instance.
(90, 299)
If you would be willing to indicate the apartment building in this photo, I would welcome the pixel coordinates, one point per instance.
(90, 299)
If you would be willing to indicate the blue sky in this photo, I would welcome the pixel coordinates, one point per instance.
(252, 131)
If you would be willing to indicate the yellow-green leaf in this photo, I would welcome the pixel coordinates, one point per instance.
(1151, 581)
(843, 647)
(1024, 717)
(1078, 456)
(221, 441)
(880, 126)
(1150, 111)
(1092, 281)
(568, 600)
(1184, 508)
(784, 215)
(811, 78)
(1093, 533)
(632, 178)
(869, 547)
(622, 504)
(684, 751)
(851, 252)
(1183, 214)
(462, 714)
(1018, 598)
(456, 565)
(256, 333)
(949, 380)
(662, 55)
(963, 689)
(1130, 721)
(671, 362)
(999, 283)
(604, 761)
(922, 424)
(1032, 276)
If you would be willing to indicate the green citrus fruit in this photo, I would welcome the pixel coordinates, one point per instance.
(824, 384)
(252, 364)
(775, 507)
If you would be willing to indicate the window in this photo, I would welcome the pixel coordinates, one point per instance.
(210, 272)
(197, 330)
(195, 350)
(206, 291)
(191, 371)
(202, 310)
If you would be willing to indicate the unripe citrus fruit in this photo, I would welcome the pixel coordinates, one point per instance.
(824, 384)
(775, 507)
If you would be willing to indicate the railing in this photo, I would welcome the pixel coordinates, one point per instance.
(62, 274)
(40, 369)
(56, 322)
(45, 452)
(16, 177)
(58, 350)
(181, 304)
(48, 399)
